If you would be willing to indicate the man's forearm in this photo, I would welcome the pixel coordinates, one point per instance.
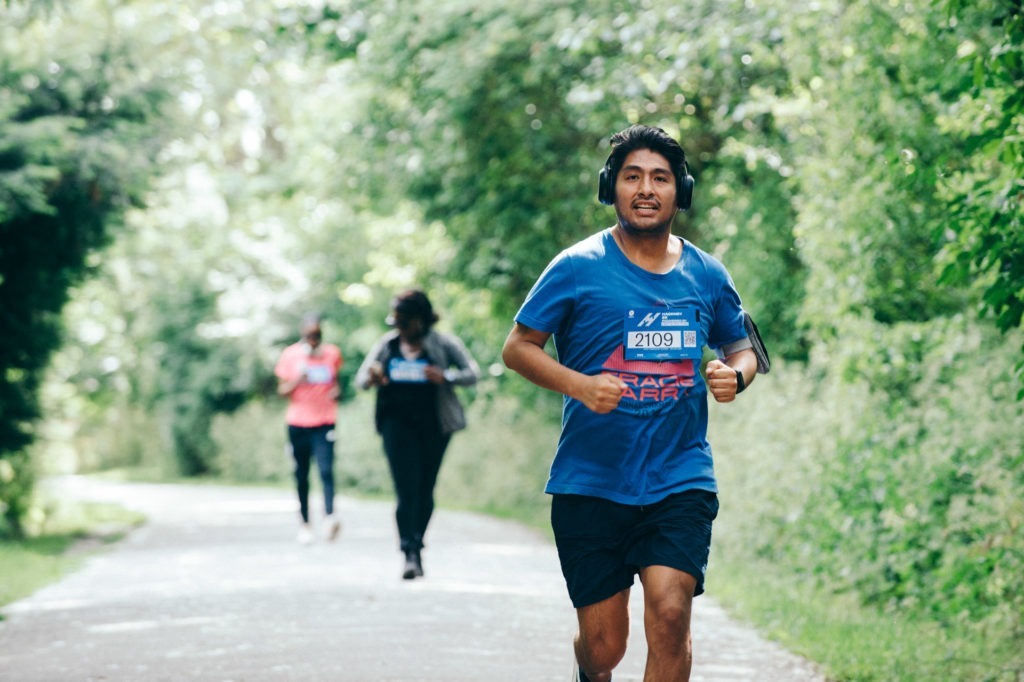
(534, 364)
(744, 361)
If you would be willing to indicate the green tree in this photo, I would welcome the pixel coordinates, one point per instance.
(907, 485)
(982, 182)
(75, 143)
(812, 132)
(247, 227)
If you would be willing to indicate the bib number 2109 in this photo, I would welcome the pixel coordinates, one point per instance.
(655, 339)
(660, 334)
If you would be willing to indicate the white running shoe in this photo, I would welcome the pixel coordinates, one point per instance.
(305, 534)
(332, 527)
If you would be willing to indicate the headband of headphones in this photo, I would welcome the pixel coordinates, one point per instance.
(606, 185)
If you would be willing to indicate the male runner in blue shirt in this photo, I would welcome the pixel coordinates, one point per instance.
(631, 309)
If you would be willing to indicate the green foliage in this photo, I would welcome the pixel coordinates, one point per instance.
(17, 478)
(500, 463)
(237, 240)
(58, 538)
(936, 508)
(497, 465)
(74, 127)
(199, 376)
(867, 167)
(849, 641)
(325, 155)
(30, 564)
(983, 184)
(492, 134)
(890, 500)
(504, 146)
(251, 444)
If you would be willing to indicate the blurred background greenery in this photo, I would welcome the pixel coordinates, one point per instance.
(179, 182)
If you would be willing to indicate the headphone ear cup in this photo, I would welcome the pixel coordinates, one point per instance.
(606, 187)
(684, 192)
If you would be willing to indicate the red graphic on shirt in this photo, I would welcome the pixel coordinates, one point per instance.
(650, 380)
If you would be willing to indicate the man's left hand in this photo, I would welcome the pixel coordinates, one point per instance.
(721, 380)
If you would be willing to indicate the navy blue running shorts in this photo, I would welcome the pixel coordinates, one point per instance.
(602, 544)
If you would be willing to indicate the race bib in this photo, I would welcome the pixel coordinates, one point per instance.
(407, 371)
(661, 334)
(318, 374)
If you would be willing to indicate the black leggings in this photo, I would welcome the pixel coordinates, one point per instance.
(309, 442)
(414, 449)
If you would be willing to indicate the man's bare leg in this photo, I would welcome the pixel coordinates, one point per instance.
(601, 641)
(668, 599)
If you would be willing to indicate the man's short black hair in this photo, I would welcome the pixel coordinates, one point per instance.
(646, 137)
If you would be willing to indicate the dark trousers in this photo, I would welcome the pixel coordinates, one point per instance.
(307, 443)
(414, 449)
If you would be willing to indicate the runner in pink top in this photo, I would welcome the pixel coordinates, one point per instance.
(307, 374)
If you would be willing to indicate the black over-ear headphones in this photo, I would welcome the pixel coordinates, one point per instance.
(606, 186)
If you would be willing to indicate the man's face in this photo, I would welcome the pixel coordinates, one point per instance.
(645, 192)
(312, 335)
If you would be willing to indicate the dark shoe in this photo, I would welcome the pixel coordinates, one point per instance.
(409, 571)
(413, 565)
(419, 565)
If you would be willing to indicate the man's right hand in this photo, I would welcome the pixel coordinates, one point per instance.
(601, 393)
(524, 352)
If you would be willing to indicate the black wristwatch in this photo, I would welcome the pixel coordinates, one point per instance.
(740, 382)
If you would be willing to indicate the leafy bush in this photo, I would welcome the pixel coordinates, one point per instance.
(907, 492)
(498, 464)
(252, 446)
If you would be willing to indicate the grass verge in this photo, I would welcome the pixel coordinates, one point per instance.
(854, 643)
(62, 536)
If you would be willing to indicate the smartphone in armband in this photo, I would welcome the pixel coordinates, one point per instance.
(764, 363)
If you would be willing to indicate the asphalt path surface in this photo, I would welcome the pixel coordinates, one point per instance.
(215, 587)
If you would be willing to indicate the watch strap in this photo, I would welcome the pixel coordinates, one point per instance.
(741, 383)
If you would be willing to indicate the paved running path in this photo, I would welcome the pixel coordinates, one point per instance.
(214, 587)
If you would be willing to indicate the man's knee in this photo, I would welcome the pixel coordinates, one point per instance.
(671, 615)
(601, 652)
(668, 600)
(604, 633)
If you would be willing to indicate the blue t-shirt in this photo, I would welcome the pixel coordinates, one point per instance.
(654, 443)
